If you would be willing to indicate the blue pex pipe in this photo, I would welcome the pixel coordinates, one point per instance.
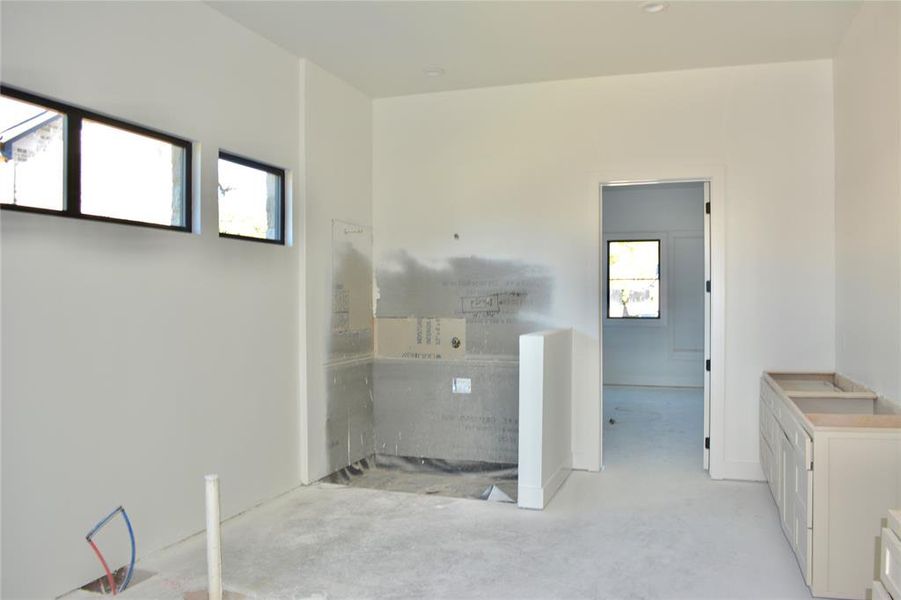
(131, 535)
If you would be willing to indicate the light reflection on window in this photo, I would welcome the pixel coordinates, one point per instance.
(129, 176)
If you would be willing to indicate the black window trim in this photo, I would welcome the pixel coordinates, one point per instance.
(255, 164)
(659, 279)
(72, 161)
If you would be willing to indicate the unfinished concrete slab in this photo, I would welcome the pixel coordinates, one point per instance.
(652, 526)
(205, 595)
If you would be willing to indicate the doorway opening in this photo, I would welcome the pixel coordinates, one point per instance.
(655, 322)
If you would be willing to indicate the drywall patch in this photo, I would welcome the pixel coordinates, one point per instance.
(499, 299)
(420, 338)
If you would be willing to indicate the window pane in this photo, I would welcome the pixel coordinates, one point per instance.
(634, 279)
(125, 175)
(634, 260)
(32, 155)
(250, 201)
(635, 298)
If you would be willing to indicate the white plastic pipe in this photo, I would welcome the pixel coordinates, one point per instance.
(213, 540)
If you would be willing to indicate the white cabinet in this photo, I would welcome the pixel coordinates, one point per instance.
(831, 453)
(786, 469)
(890, 567)
(879, 592)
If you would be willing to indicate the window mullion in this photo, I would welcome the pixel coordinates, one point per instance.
(73, 162)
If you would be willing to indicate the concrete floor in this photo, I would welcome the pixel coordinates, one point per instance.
(652, 526)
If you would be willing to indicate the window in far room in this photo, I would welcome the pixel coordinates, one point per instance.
(633, 279)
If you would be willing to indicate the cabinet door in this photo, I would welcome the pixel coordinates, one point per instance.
(804, 537)
(890, 570)
(787, 473)
(802, 478)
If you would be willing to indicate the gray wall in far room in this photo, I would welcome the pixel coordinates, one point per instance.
(668, 351)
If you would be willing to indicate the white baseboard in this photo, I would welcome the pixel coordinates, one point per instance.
(530, 496)
(536, 498)
(553, 484)
(743, 470)
(585, 462)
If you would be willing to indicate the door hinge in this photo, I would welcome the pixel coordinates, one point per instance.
(706, 443)
(707, 207)
(707, 365)
(707, 285)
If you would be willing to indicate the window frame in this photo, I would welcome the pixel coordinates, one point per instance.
(72, 162)
(272, 170)
(660, 277)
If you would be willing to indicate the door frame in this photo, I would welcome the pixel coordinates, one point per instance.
(715, 301)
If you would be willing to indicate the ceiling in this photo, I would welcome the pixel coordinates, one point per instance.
(382, 48)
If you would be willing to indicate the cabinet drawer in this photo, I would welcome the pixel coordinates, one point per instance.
(766, 456)
(890, 570)
(879, 592)
(767, 423)
(773, 400)
(766, 393)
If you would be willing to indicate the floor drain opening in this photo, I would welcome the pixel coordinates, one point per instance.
(101, 584)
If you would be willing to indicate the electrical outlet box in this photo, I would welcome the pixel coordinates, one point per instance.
(461, 385)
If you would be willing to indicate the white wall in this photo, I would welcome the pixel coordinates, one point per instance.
(515, 171)
(587, 417)
(338, 130)
(136, 360)
(545, 415)
(868, 199)
(668, 351)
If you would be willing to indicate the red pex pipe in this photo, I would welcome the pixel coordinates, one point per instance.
(109, 575)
